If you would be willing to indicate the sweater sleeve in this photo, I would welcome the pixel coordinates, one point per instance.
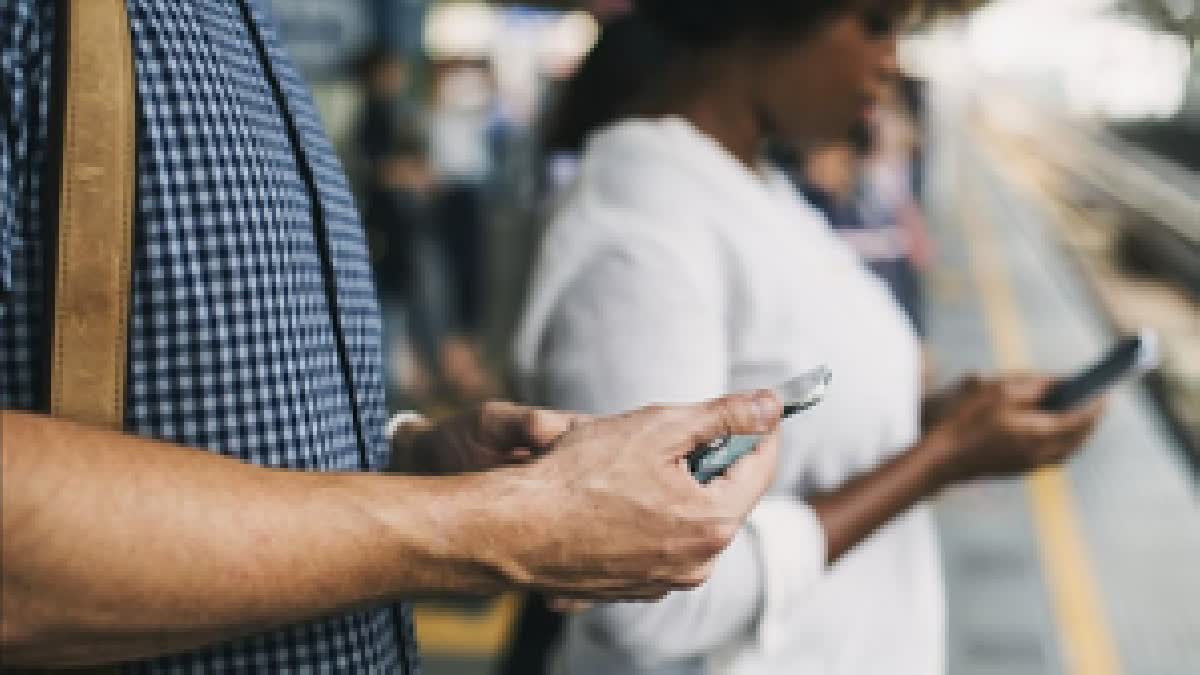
(757, 582)
(645, 322)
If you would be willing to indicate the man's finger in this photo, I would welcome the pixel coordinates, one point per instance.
(547, 426)
(748, 413)
(505, 426)
(744, 483)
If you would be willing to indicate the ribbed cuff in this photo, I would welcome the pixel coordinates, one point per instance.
(792, 544)
(400, 419)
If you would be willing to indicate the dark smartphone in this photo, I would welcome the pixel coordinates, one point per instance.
(799, 394)
(1132, 355)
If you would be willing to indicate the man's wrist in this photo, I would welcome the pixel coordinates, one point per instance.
(497, 518)
(451, 534)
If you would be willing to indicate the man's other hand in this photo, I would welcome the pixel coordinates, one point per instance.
(492, 435)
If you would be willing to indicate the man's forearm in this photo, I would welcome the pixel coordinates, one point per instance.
(116, 547)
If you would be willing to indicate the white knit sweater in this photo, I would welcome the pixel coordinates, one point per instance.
(674, 273)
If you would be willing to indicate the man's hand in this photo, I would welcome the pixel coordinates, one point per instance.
(613, 512)
(492, 435)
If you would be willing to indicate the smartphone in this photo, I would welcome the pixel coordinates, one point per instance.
(1132, 355)
(799, 394)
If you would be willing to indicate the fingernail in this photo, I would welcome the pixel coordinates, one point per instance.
(766, 409)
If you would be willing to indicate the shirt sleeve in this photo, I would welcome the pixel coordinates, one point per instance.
(23, 58)
(8, 191)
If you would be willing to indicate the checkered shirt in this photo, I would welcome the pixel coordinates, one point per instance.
(232, 348)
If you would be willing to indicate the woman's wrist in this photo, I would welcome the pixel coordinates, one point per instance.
(938, 458)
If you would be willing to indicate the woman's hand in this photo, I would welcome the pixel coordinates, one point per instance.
(989, 427)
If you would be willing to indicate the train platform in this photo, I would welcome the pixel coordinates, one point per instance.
(1086, 570)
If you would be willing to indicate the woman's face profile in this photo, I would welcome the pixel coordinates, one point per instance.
(819, 86)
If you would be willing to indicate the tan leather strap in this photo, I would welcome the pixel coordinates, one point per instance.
(95, 217)
(89, 341)
(95, 222)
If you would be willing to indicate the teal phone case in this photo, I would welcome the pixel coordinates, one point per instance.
(712, 460)
(801, 393)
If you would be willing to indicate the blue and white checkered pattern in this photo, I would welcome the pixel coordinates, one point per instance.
(232, 348)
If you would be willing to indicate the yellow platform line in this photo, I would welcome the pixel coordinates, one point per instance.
(442, 631)
(1083, 630)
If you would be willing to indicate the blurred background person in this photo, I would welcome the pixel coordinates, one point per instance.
(865, 193)
(461, 115)
(423, 170)
(893, 238)
(682, 266)
(622, 64)
(398, 188)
